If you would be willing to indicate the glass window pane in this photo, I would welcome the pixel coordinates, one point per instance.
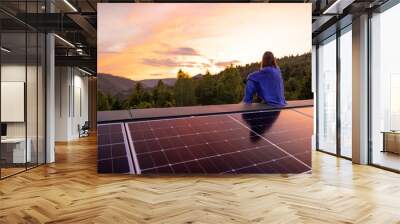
(327, 96)
(385, 84)
(13, 87)
(32, 97)
(23, 90)
(41, 98)
(346, 94)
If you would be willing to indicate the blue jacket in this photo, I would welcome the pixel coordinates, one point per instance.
(268, 84)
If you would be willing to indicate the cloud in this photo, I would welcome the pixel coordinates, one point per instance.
(190, 64)
(157, 75)
(206, 65)
(226, 63)
(161, 62)
(117, 47)
(188, 51)
(171, 63)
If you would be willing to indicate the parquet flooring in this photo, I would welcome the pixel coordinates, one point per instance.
(70, 191)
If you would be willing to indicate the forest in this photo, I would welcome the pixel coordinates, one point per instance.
(225, 87)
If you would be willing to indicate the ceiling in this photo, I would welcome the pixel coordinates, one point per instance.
(75, 21)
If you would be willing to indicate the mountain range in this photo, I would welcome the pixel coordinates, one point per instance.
(123, 87)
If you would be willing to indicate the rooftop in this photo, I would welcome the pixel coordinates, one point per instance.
(173, 112)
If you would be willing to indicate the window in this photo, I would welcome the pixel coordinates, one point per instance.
(385, 89)
(345, 92)
(22, 99)
(327, 95)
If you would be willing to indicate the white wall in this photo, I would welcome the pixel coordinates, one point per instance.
(71, 102)
(62, 82)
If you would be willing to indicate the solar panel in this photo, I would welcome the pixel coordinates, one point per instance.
(114, 155)
(307, 111)
(259, 142)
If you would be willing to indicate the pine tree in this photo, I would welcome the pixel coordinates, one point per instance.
(230, 86)
(102, 102)
(206, 91)
(184, 90)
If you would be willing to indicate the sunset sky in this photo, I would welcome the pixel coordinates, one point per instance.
(154, 40)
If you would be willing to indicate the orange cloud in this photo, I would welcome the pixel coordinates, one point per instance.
(181, 51)
(227, 63)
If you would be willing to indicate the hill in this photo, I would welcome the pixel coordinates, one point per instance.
(121, 87)
(114, 85)
(151, 83)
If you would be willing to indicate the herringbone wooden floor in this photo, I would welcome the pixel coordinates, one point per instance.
(70, 191)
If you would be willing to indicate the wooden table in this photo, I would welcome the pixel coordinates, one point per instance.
(391, 141)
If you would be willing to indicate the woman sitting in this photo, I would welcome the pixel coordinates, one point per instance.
(267, 83)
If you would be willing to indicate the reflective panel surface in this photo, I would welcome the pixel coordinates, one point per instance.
(257, 142)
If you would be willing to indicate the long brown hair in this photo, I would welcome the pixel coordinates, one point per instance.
(268, 59)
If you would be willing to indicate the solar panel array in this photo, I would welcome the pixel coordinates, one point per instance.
(259, 142)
